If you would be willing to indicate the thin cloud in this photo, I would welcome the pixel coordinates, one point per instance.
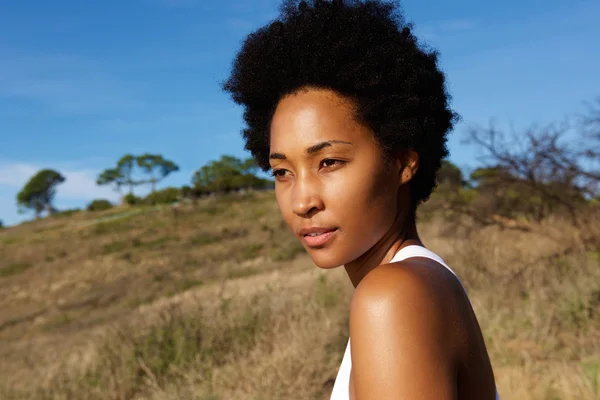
(80, 184)
(78, 189)
(15, 175)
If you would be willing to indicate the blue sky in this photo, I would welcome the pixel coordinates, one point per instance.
(83, 82)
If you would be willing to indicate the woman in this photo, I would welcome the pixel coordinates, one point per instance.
(351, 116)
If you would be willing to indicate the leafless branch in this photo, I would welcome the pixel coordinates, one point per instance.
(559, 165)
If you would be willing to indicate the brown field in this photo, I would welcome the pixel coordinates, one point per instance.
(218, 301)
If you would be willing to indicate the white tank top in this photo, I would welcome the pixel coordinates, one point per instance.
(341, 387)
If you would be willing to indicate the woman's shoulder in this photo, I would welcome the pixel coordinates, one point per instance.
(415, 295)
(409, 282)
(405, 321)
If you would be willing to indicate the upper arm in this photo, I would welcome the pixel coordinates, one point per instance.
(401, 342)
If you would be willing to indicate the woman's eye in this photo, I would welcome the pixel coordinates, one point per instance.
(278, 173)
(327, 163)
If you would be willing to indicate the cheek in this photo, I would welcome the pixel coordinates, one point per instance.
(283, 203)
(366, 203)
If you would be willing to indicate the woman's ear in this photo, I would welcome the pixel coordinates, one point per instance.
(409, 166)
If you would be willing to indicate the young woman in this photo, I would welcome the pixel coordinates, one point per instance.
(351, 115)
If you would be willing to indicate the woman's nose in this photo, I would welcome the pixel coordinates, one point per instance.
(306, 199)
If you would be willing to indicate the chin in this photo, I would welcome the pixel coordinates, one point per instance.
(323, 260)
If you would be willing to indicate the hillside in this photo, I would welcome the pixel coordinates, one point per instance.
(217, 300)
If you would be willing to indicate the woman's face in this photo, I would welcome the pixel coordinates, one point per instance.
(333, 186)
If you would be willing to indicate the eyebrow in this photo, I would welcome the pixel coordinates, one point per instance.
(310, 150)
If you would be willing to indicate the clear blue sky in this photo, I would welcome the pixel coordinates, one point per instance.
(83, 82)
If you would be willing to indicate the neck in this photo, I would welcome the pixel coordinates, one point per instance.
(402, 233)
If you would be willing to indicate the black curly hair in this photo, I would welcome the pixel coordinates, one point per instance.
(362, 50)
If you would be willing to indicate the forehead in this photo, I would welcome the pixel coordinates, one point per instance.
(314, 115)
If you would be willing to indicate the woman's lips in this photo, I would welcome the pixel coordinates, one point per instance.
(318, 239)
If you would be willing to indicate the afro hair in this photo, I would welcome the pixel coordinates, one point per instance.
(362, 50)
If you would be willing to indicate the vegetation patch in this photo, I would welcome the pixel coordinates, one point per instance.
(250, 251)
(8, 240)
(242, 272)
(115, 247)
(99, 205)
(287, 250)
(14, 268)
(205, 238)
(328, 294)
(132, 360)
(111, 227)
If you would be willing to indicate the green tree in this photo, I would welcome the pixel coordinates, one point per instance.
(186, 192)
(111, 176)
(250, 166)
(120, 176)
(99, 205)
(125, 168)
(490, 176)
(39, 192)
(220, 175)
(168, 195)
(450, 175)
(227, 174)
(157, 167)
(131, 199)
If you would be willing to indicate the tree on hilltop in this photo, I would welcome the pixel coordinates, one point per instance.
(450, 175)
(124, 174)
(125, 168)
(111, 176)
(38, 193)
(250, 166)
(227, 174)
(157, 167)
(121, 175)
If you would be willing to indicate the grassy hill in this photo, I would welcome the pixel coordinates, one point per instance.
(218, 301)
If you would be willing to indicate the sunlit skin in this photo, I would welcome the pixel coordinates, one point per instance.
(330, 172)
(413, 332)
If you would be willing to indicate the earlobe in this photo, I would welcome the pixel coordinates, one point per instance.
(406, 175)
(408, 171)
(408, 162)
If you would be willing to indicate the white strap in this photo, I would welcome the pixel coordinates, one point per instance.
(420, 251)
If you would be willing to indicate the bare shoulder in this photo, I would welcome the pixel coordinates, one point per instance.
(416, 287)
(403, 329)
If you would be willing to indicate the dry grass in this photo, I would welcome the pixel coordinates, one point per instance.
(218, 301)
